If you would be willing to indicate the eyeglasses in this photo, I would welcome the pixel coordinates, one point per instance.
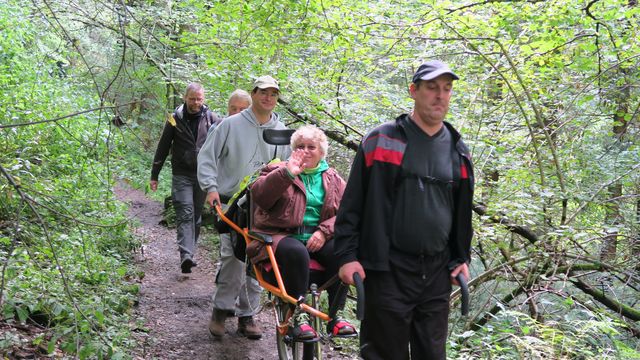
(309, 147)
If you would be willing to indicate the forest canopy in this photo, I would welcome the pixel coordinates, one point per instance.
(548, 102)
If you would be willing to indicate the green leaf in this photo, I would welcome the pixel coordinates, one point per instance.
(22, 314)
(99, 316)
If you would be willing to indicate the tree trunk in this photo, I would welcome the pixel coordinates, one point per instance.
(613, 217)
(612, 220)
(635, 239)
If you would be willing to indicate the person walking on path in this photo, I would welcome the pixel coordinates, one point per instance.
(234, 150)
(183, 135)
(404, 223)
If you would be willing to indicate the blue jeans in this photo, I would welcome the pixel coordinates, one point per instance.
(188, 201)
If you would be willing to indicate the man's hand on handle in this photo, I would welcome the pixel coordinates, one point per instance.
(464, 269)
(153, 184)
(347, 270)
(460, 277)
(213, 198)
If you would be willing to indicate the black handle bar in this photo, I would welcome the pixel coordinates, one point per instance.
(357, 280)
(464, 292)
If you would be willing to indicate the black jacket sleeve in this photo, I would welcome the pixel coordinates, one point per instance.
(162, 151)
(349, 218)
(462, 229)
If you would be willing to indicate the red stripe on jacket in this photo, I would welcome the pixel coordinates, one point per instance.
(463, 171)
(383, 155)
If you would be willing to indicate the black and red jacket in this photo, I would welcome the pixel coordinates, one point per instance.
(364, 221)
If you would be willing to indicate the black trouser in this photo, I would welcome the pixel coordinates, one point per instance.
(293, 260)
(407, 306)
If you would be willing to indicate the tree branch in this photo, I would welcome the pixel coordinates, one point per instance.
(334, 135)
(65, 116)
(509, 224)
(614, 305)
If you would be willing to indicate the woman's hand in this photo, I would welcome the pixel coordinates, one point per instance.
(296, 164)
(316, 241)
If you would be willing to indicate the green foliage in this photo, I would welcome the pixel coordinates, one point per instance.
(547, 102)
(65, 246)
(515, 335)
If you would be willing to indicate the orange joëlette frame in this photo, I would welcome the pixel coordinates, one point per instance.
(277, 291)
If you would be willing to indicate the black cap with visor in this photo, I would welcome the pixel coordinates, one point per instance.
(431, 70)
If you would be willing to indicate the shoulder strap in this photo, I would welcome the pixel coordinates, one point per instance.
(457, 165)
(177, 112)
(212, 119)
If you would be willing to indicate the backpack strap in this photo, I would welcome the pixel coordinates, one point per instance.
(177, 112)
(458, 169)
(212, 119)
(457, 165)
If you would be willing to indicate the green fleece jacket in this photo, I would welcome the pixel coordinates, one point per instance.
(236, 149)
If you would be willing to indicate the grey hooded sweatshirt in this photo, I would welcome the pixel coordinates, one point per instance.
(236, 149)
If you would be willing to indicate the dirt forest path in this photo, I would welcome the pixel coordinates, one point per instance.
(176, 307)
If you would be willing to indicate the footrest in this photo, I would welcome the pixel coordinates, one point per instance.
(290, 339)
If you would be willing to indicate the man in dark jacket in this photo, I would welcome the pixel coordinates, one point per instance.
(405, 223)
(183, 134)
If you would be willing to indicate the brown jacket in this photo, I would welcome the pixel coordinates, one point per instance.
(280, 201)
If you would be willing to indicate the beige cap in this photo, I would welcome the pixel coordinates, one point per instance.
(265, 82)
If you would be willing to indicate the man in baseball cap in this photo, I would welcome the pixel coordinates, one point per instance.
(431, 89)
(235, 149)
(412, 238)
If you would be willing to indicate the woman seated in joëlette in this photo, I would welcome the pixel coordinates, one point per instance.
(296, 201)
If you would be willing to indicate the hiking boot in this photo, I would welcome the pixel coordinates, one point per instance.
(339, 327)
(303, 332)
(186, 265)
(216, 324)
(247, 327)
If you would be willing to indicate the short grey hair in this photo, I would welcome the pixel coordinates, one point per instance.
(194, 86)
(240, 94)
(313, 133)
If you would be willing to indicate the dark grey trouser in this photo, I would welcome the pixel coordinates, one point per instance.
(407, 310)
(188, 201)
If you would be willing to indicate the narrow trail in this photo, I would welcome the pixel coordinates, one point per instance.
(176, 307)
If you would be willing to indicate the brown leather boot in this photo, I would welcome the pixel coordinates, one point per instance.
(216, 324)
(247, 327)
